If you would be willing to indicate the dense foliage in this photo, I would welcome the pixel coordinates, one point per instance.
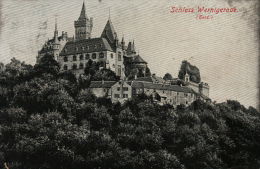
(50, 121)
(191, 70)
(167, 76)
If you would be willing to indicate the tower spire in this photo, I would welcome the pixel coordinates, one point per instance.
(56, 29)
(83, 12)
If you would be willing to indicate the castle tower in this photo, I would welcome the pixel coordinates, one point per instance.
(83, 26)
(56, 43)
(131, 48)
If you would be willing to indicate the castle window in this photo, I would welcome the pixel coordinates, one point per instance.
(119, 70)
(87, 56)
(81, 66)
(74, 58)
(65, 59)
(94, 56)
(117, 95)
(111, 55)
(100, 45)
(82, 48)
(118, 89)
(125, 95)
(81, 57)
(77, 48)
(87, 47)
(119, 56)
(101, 55)
(74, 67)
(65, 67)
(125, 88)
(95, 46)
(113, 65)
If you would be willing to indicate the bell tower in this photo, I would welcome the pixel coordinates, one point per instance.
(83, 26)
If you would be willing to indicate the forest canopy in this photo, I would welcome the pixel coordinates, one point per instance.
(50, 120)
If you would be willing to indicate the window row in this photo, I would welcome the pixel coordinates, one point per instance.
(91, 56)
(87, 47)
(87, 56)
(81, 66)
(118, 95)
(74, 66)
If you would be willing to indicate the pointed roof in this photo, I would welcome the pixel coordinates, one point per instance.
(83, 12)
(109, 32)
(130, 48)
(138, 59)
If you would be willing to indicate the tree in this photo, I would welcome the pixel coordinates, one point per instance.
(191, 70)
(167, 76)
(47, 64)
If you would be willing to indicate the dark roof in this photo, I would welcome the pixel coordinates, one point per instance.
(151, 79)
(136, 84)
(157, 86)
(109, 32)
(100, 84)
(138, 59)
(85, 46)
(144, 79)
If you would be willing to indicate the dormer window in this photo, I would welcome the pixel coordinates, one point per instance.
(65, 59)
(101, 55)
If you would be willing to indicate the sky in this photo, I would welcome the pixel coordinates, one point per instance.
(224, 48)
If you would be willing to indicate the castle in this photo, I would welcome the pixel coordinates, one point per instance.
(73, 54)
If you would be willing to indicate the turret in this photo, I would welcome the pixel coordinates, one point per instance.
(56, 43)
(116, 41)
(131, 48)
(83, 26)
(123, 43)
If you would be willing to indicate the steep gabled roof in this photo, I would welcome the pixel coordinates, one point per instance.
(109, 32)
(86, 46)
(138, 59)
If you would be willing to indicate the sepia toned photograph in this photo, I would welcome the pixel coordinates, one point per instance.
(129, 84)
